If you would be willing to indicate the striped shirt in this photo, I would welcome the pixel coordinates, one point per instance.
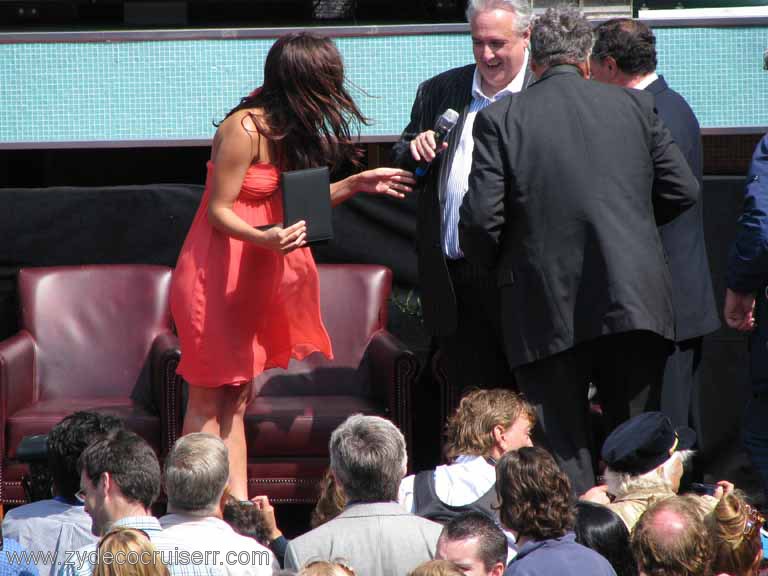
(458, 178)
(181, 559)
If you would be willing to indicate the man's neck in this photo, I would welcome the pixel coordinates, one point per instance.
(640, 81)
(213, 513)
(130, 510)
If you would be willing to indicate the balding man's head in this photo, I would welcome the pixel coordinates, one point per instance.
(670, 539)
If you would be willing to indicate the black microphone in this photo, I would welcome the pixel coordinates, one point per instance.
(443, 127)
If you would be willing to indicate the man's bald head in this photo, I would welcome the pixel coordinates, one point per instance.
(670, 539)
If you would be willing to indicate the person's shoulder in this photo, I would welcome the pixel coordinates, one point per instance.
(455, 76)
(428, 526)
(589, 556)
(41, 508)
(242, 125)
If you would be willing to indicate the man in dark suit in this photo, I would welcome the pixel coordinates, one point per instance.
(568, 182)
(625, 55)
(460, 300)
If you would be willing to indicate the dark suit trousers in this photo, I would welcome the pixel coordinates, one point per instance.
(627, 370)
(681, 379)
(475, 352)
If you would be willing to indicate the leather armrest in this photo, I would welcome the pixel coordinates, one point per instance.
(17, 372)
(166, 385)
(394, 370)
(17, 377)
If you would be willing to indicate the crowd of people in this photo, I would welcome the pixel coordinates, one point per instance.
(524, 519)
(561, 254)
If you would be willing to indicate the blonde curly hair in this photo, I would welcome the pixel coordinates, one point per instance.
(469, 431)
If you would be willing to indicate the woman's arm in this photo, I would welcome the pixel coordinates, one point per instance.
(388, 181)
(236, 149)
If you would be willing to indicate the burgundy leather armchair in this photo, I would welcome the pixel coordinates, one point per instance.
(91, 338)
(293, 412)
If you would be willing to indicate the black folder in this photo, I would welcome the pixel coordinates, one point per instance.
(307, 196)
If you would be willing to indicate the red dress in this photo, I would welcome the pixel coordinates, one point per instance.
(240, 309)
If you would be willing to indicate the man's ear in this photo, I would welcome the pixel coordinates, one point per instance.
(526, 37)
(497, 570)
(537, 69)
(498, 434)
(610, 64)
(106, 482)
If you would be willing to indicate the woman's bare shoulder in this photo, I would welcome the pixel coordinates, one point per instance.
(243, 127)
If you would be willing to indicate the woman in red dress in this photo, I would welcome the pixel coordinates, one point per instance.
(245, 296)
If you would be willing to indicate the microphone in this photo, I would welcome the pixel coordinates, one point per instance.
(443, 127)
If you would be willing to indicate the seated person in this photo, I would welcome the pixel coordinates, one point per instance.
(196, 478)
(373, 534)
(60, 523)
(735, 530)
(437, 568)
(475, 544)
(128, 552)
(120, 480)
(487, 423)
(644, 460)
(14, 560)
(668, 539)
(536, 506)
(601, 529)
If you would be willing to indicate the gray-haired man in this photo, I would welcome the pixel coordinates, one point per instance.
(374, 534)
(569, 181)
(196, 474)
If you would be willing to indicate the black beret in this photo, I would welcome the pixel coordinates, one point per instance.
(644, 442)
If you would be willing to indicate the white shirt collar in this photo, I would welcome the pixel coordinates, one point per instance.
(515, 86)
(647, 81)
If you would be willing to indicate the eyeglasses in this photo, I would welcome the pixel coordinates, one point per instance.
(754, 521)
(80, 496)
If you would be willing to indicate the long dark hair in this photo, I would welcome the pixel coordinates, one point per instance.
(601, 529)
(307, 110)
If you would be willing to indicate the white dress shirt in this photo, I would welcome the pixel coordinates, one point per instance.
(647, 81)
(238, 555)
(458, 177)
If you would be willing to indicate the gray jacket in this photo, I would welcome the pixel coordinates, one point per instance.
(379, 539)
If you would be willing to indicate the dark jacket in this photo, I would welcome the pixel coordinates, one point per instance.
(568, 184)
(748, 258)
(451, 89)
(558, 557)
(683, 239)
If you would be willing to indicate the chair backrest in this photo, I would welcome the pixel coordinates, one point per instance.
(353, 303)
(93, 326)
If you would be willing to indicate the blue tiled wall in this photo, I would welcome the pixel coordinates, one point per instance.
(173, 90)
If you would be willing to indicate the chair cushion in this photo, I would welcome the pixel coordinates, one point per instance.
(40, 417)
(288, 426)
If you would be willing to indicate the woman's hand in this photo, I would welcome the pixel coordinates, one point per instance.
(284, 240)
(388, 181)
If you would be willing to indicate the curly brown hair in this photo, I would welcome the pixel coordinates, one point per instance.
(535, 495)
(668, 540)
(469, 431)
